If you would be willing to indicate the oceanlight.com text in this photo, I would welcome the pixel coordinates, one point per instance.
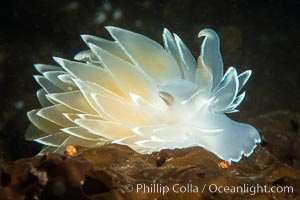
(248, 189)
(212, 188)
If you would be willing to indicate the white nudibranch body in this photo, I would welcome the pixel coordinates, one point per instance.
(133, 91)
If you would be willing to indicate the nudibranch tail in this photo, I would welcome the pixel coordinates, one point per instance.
(134, 91)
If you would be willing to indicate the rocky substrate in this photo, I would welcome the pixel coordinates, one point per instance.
(118, 172)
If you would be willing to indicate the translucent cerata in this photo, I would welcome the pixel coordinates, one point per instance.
(136, 92)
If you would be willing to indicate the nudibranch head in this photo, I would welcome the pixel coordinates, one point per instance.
(133, 91)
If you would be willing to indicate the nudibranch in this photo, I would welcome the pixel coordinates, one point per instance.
(133, 91)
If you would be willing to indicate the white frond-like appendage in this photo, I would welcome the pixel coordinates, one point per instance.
(135, 92)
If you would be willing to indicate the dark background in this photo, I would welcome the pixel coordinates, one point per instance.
(262, 35)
